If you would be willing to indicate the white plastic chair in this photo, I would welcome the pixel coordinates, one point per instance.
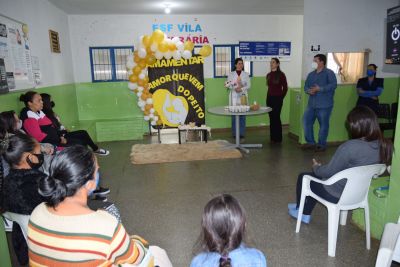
(21, 219)
(389, 249)
(354, 196)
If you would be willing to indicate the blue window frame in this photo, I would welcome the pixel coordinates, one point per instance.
(224, 60)
(107, 63)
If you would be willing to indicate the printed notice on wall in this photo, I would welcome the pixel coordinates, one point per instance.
(16, 54)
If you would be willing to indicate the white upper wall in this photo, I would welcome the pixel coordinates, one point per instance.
(346, 26)
(40, 16)
(118, 30)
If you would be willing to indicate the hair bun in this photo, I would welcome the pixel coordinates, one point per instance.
(225, 261)
(22, 97)
(53, 189)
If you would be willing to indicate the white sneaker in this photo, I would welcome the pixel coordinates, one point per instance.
(102, 152)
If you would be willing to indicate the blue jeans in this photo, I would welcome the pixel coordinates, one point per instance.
(242, 125)
(322, 115)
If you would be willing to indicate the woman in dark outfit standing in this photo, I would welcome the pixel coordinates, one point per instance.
(277, 89)
(369, 89)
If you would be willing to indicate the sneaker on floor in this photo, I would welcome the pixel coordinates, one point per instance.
(292, 206)
(305, 218)
(102, 152)
(100, 198)
(101, 191)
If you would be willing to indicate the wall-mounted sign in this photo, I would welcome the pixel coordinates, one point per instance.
(262, 51)
(184, 31)
(54, 42)
(3, 77)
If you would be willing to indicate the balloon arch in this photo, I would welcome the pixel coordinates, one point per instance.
(150, 49)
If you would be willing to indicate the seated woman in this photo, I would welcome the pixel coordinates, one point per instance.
(98, 238)
(223, 232)
(20, 187)
(366, 146)
(80, 137)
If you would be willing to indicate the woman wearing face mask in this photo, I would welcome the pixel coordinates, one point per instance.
(20, 187)
(238, 82)
(80, 137)
(369, 89)
(65, 231)
(277, 89)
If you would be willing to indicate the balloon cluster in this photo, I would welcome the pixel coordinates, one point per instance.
(150, 49)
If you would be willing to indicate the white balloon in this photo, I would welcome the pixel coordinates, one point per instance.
(142, 76)
(140, 89)
(176, 55)
(146, 118)
(154, 47)
(158, 55)
(141, 103)
(151, 115)
(132, 86)
(130, 72)
(156, 118)
(153, 123)
(187, 54)
(130, 63)
(142, 108)
(142, 53)
(149, 100)
(139, 94)
(175, 40)
(152, 110)
(180, 46)
(168, 55)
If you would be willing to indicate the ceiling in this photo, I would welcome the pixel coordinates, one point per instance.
(228, 7)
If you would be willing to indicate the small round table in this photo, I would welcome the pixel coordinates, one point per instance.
(226, 112)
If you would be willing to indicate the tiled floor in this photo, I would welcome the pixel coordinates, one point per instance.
(164, 202)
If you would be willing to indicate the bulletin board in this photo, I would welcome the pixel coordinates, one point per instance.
(15, 51)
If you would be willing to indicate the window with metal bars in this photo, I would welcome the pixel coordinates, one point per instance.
(108, 63)
(224, 60)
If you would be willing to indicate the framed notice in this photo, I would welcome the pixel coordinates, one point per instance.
(54, 42)
(262, 51)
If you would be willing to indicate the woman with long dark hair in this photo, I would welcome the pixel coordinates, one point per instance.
(369, 89)
(223, 234)
(80, 137)
(365, 147)
(277, 89)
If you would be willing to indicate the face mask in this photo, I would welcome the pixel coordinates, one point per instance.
(314, 65)
(36, 165)
(19, 125)
(97, 178)
(52, 104)
(370, 73)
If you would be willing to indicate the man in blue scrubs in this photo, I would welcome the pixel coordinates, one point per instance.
(320, 85)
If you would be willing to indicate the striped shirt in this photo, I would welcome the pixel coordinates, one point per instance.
(95, 239)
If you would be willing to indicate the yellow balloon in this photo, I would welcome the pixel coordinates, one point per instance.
(172, 47)
(150, 60)
(189, 45)
(137, 70)
(205, 51)
(157, 36)
(133, 78)
(140, 82)
(136, 57)
(163, 47)
(146, 41)
(142, 63)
